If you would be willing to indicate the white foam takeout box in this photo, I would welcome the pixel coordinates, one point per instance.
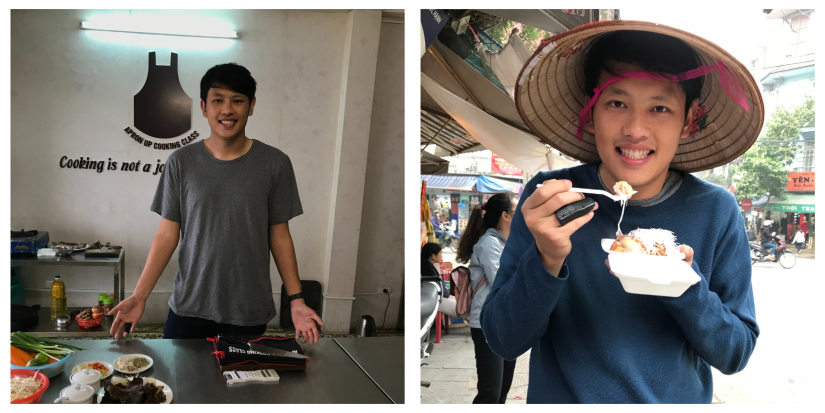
(649, 274)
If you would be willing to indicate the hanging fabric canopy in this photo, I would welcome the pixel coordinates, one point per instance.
(485, 185)
(516, 146)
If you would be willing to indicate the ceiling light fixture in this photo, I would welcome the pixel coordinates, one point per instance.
(159, 30)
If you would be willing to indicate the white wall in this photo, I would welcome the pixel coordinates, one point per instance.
(381, 247)
(72, 94)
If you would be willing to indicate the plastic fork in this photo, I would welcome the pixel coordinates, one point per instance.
(614, 197)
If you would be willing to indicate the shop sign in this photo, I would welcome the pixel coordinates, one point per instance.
(475, 201)
(800, 181)
(500, 166)
(791, 208)
(746, 204)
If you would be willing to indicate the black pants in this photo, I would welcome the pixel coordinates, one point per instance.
(193, 327)
(495, 375)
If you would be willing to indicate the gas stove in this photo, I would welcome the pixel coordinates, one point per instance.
(28, 242)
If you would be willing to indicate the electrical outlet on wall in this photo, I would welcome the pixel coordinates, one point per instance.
(381, 290)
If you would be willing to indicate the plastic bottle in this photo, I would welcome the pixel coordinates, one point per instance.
(58, 297)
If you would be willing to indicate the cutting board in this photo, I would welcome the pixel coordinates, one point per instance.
(113, 252)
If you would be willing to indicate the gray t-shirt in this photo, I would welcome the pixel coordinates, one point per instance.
(225, 209)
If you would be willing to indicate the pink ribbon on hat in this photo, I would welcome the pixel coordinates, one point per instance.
(729, 82)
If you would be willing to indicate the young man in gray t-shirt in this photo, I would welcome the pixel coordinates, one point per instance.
(227, 200)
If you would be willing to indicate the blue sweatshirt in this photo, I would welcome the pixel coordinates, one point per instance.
(594, 343)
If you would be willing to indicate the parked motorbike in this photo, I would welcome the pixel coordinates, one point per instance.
(450, 240)
(431, 296)
(784, 257)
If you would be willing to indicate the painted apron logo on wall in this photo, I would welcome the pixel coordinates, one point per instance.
(162, 110)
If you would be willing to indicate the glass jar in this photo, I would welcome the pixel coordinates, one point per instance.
(108, 304)
(100, 298)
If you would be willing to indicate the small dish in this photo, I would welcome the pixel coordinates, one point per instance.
(88, 365)
(151, 362)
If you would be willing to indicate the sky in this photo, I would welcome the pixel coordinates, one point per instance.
(738, 31)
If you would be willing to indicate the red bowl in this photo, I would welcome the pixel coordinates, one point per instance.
(34, 398)
(89, 323)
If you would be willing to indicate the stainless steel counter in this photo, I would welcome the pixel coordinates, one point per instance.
(79, 259)
(47, 328)
(192, 373)
(382, 358)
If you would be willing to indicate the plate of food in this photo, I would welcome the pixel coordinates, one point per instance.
(648, 261)
(76, 246)
(103, 367)
(134, 390)
(133, 363)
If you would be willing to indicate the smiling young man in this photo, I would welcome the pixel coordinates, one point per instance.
(227, 201)
(659, 104)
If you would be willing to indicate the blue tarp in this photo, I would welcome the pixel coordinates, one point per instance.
(485, 185)
(465, 183)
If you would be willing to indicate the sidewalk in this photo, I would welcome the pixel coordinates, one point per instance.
(451, 371)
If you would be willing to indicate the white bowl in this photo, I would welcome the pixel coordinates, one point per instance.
(652, 275)
(85, 365)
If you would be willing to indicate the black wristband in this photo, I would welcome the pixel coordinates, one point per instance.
(294, 297)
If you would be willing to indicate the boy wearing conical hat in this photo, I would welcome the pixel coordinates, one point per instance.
(645, 104)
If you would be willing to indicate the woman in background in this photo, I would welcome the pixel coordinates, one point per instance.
(431, 257)
(481, 246)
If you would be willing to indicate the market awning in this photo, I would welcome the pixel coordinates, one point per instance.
(433, 165)
(794, 203)
(444, 132)
(450, 182)
(510, 185)
(486, 185)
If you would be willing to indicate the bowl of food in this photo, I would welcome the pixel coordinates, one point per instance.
(27, 386)
(88, 318)
(103, 367)
(63, 250)
(648, 262)
(50, 370)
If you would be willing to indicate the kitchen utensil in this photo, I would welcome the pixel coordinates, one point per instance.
(614, 197)
(367, 327)
(89, 377)
(260, 348)
(151, 362)
(63, 250)
(574, 210)
(63, 321)
(24, 317)
(76, 394)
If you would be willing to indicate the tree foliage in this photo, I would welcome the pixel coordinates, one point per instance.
(530, 35)
(764, 167)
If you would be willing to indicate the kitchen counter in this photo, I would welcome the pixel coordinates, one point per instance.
(382, 359)
(193, 375)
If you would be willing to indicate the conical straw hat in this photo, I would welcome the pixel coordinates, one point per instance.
(550, 95)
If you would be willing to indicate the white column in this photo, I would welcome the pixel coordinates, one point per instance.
(351, 144)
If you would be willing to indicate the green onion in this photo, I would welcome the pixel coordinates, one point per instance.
(51, 348)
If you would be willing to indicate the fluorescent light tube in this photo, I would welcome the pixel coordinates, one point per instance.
(149, 29)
